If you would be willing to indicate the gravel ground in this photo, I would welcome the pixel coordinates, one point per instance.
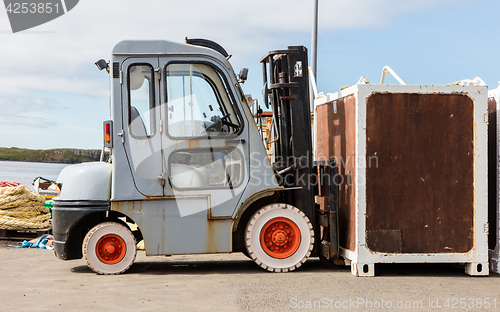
(6, 243)
(34, 280)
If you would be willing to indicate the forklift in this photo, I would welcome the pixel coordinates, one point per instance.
(189, 172)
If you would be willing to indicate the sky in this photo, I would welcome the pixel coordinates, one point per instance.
(53, 96)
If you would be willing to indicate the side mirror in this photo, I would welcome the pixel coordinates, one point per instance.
(243, 75)
(102, 64)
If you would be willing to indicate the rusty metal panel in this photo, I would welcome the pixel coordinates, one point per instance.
(419, 173)
(336, 139)
(324, 142)
(385, 240)
(166, 232)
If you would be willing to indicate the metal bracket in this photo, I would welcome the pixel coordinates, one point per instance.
(325, 249)
(324, 217)
(121, 136)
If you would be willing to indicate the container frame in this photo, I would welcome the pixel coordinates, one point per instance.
(494, 209)
(361, 259)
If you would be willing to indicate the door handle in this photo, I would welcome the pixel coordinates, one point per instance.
(161, 178)
(237, 141)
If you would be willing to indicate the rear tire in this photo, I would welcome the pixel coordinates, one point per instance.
(279, 238)
(109, 248)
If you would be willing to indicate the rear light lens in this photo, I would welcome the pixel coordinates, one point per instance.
(108, 134)
(108, 138)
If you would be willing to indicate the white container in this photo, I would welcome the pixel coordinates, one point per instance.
(413, 173)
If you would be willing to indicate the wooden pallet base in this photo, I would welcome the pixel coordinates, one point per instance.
(24, 234)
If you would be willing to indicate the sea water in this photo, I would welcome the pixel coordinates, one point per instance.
(26, 172)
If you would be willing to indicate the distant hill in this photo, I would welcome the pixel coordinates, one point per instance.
(60, 155)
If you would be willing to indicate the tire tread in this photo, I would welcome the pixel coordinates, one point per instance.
(86, 243)
(251, 225)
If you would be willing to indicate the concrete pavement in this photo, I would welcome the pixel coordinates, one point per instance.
(35, 280)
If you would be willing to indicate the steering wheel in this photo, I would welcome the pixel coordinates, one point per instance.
(217, 123)
(227, 123)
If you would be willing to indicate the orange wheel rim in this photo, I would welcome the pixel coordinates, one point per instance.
(280, 238)
(111, 249)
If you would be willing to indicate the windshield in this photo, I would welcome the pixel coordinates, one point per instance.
(198, 102)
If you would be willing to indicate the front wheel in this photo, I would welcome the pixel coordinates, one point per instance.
(279, 238)
(109, 248)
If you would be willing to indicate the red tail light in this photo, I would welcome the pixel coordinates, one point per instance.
(108, 138)
(108, 134)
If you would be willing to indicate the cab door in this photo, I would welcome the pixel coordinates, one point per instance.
(141, 124)
(205, 142)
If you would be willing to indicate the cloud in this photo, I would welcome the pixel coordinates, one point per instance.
(59, 55)
(19, 111)
(56, 59)
(84, 129)
(44, 79)
(19, 120)
(11, 105)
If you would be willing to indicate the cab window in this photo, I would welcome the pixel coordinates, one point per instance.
(199, 104)
(141, 100)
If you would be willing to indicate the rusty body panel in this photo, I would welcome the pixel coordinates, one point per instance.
(412, 173)
(324, 139)
(422, 184)
(336, 141)
(200, 234)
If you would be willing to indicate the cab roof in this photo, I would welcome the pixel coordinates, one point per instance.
(159, 47)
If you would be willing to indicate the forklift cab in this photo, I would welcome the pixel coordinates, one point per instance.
(182, 126)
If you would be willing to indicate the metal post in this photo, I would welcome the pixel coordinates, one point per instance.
(314, 48)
